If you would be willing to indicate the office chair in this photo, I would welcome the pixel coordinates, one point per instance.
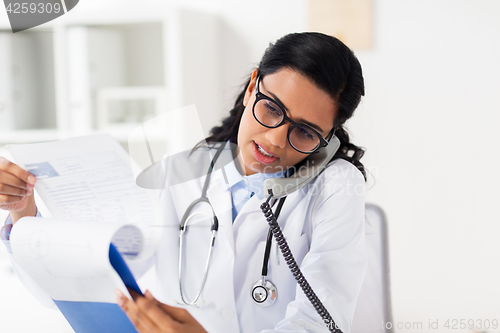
(373, 313)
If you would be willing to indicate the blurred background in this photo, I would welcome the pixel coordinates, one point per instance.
(428, 121)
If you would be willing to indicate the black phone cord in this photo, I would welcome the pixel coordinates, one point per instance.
(294, 268)
(269, 241)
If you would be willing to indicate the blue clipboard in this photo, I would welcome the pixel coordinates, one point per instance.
(94, 317)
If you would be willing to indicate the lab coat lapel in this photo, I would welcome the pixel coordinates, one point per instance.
(250, 226)
(219, 195)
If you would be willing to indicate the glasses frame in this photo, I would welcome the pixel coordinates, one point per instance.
(260, 96)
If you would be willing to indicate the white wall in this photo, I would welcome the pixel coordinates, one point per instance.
(429, 122)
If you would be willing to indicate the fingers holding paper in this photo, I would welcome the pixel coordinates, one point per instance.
(16, 187)
(151, 316)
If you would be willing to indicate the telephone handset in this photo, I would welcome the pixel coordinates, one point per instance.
(280, 188)
(305, 171)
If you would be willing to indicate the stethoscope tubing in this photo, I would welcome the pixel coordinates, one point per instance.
(183, 229)
(207, 263)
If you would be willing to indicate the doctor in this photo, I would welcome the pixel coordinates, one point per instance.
(311, 83)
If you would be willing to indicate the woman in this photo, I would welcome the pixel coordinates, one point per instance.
(305, 88)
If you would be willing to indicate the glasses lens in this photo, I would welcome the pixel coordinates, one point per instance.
(304, 139)
(268, 113)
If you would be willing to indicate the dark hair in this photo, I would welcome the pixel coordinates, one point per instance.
(330, 64)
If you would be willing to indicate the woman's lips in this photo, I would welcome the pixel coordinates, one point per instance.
(264, 159)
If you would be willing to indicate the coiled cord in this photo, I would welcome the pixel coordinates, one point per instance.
(294, 268)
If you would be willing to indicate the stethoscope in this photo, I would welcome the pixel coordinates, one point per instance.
(264, 292)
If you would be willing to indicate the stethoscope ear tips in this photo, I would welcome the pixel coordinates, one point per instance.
(264, 293)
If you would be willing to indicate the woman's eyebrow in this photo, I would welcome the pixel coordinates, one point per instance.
(316, 127)
(303, 121)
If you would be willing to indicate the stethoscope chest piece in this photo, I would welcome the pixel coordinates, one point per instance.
(264, 293)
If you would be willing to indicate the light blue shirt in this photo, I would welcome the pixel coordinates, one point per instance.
(244, 187)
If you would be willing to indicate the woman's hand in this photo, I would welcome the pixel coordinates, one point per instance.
(150, 316)
(16, 190)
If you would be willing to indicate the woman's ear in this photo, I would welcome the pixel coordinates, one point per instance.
(251, 87)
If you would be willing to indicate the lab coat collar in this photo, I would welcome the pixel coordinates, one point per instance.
(232, 174)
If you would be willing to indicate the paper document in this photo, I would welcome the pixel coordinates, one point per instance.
(90, 179)
(79, 266)
(101, 221)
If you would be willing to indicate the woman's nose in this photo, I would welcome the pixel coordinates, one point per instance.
(278, 136)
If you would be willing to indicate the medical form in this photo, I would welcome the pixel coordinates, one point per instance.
(94, 207)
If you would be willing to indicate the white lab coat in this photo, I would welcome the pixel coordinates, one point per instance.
(324, 226)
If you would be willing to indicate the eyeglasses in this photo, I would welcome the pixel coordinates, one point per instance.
(271, 114)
